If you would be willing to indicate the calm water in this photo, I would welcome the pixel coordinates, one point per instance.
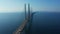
(10, 21)
(42, 23)
(46, 23)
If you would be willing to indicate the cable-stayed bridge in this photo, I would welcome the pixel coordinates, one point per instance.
(28, 19)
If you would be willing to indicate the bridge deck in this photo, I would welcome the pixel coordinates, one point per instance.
(19, 30)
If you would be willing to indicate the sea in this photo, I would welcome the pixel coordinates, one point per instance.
(9, 22)
(42, 22)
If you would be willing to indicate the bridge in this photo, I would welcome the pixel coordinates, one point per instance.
(28, 19)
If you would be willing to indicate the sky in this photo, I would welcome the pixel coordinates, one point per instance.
(37, 5)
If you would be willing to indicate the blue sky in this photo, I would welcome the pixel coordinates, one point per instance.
(37, 5)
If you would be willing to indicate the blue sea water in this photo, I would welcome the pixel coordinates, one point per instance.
(42, 23)
(46, 23)
(9, 22)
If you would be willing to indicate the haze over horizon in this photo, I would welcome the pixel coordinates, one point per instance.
(37, 5)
